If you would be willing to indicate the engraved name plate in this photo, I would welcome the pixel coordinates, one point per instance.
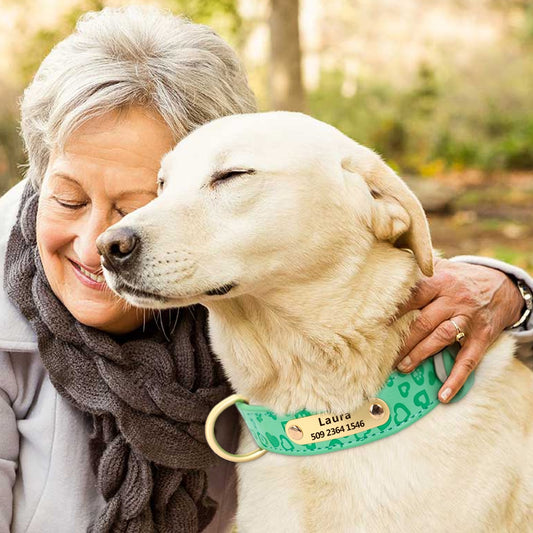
(318, 428)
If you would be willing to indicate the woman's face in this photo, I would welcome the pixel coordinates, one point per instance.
(108, 169)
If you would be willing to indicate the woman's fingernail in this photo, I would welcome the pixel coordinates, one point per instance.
(446, 393)
(405, 363)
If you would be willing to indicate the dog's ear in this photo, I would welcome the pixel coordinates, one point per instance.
(397, 215)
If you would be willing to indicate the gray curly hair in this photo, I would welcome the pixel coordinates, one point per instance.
(134, 55)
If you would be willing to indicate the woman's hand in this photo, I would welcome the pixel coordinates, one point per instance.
(482, 302)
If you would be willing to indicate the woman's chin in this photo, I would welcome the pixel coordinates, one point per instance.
(103, 311)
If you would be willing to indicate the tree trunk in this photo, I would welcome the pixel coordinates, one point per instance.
(286, 86)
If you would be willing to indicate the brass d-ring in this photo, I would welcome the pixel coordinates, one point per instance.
(210, 432)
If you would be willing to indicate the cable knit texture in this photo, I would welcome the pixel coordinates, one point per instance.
(147, 397)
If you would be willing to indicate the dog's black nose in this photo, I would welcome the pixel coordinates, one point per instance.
(117, 247)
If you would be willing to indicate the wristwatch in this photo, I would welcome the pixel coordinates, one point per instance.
(527, 295)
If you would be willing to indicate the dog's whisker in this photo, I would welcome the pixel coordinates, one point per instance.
(175, 321)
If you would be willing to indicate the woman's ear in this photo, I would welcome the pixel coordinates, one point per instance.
(397, 215)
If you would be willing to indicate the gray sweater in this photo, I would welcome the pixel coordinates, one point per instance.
(46, 482)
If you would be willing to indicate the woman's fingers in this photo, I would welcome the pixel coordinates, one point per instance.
(429, 318)
(482, 301)
(424, 292)
(434, 338)
(466, 361)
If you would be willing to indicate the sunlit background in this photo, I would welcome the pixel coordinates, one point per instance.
(442, 89)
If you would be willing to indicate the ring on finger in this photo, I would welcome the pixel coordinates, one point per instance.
(460, 336)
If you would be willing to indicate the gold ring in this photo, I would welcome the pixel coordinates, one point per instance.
(460, 333)
(210, 432)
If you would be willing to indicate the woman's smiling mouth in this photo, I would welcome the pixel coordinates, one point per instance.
(89, 279)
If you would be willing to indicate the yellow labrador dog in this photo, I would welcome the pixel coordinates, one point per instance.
(302, 244)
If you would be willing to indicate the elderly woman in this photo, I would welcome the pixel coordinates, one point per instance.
(102, 406)
(102, 411)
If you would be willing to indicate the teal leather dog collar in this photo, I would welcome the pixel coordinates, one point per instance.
(403, 400)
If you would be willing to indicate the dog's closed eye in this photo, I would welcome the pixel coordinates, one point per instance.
(225, 175)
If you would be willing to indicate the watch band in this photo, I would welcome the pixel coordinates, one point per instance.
(525, 291)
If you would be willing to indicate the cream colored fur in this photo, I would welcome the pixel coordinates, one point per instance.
(315, 240)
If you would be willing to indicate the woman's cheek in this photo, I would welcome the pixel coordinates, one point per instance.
(55, 232)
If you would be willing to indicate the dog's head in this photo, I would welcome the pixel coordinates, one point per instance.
(252, 202)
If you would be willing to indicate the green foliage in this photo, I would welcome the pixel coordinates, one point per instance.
(523, 259)
(526, 31)
(38, 45)
(429, 126)
(440, 120)
(10, 151)
(222, 15)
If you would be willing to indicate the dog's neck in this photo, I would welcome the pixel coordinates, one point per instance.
(326, 345)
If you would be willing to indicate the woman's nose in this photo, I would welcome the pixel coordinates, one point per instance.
(89, 228)
(118, 247)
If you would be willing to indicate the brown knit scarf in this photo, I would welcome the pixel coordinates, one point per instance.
(147, 398)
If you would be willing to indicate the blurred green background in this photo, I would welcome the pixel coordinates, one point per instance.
(441, 89)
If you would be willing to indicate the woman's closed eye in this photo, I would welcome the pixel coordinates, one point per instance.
(123, 211)
(70, 204)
